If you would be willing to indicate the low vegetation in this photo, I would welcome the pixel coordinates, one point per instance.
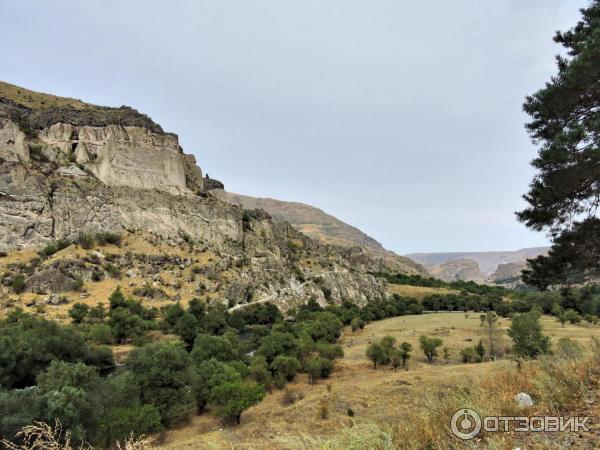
(84, 240)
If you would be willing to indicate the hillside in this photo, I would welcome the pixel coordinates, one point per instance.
(37, 100)
(69, 169)
(458, 269)
(323, 227)
(488, 262)
(383, 396)
(309, 220)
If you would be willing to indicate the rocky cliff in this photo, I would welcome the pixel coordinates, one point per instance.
(488, 262)
(509, 273)
(458, 269)
(68, 168)
(325, 228)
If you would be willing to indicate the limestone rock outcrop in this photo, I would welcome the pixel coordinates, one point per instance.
(459, 269)
(85, 169)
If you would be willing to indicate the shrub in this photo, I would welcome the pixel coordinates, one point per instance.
(290, 397)
(85, 240)
(235, 397)
(446, 353)
(77, 285)
(526, 333)
(18, 284)
(323, 410)
(26, 128)
(100, 334)
(149, 291)
(430, 346)
(29, 343)
(571, 316)
(125, 324)
(480, 349)
(329, 351)
(161, 370)
(376, 353)
(220, 348)
(404, 350)
(105, 238)
(132, 421)
(187, 328)
(79, 312)
(113, 271)
(469, 355)
(205, 376)
(395, 359)
(259, 371)
(285, 367)
(318, 367)
(60, 374)
(96, 314)
(20, 408)
(97, 275)
(53, 248)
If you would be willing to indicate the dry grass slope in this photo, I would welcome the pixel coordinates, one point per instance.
(37, 100)
(407, 409)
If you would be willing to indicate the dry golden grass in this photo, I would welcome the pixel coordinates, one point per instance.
(418, 291)
(381, 396)
(36, 100)
(41, 436)
(99, 292)
(382, 401)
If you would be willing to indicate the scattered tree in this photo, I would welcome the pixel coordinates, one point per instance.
(563, 197)
(376, 353)
(480, 349)
(235, 397)
(526, 333)
(430, 346)
(489, 320)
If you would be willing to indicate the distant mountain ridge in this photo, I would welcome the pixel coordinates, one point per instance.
(310, 220)
(458, 269)
(323, 227)
(494, 265)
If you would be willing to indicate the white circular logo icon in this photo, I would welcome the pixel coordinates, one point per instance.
(465, 424)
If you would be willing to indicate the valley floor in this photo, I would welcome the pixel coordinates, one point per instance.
(381, 396)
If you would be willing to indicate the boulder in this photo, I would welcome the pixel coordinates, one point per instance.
(524, 400)
(58, 276)
(55, 300)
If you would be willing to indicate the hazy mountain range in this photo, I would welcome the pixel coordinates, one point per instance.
(477, 266)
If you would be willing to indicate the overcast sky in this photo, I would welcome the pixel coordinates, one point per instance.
(403, 118)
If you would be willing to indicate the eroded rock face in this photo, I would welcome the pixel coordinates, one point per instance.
(12, 142)
(459, 269)
(118, 156)
(74, 170)
(259, 258)
(35, 209)
(125, 156)
(58, 276)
